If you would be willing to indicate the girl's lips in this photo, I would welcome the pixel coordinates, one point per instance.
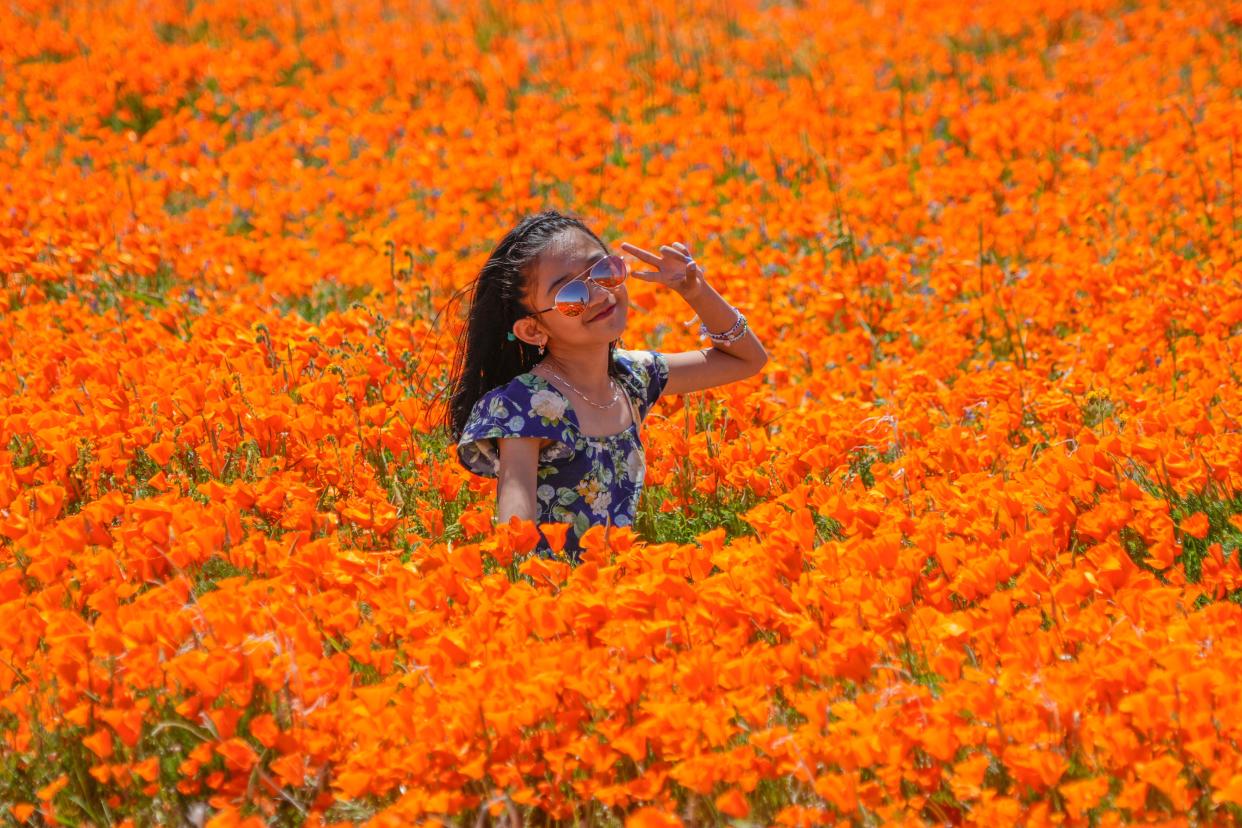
(603, 314)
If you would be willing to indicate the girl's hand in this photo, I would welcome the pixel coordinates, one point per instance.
(676, 268)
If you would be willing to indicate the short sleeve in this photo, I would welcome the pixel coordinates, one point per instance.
(514, 410)
(646, 374)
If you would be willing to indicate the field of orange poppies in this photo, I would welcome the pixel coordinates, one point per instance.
(967, 551)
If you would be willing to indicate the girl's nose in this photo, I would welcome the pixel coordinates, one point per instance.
(596, 291)
(598, 299)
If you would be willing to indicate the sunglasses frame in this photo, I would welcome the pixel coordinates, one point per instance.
(625, 274)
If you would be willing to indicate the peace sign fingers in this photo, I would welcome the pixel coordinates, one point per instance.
(673, 263)
(682, 249)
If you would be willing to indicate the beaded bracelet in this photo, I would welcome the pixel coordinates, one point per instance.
(730, 336)
(703, 332)
(729, 340)
(727, 335)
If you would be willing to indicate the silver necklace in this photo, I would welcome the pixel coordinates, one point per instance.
(588, 400)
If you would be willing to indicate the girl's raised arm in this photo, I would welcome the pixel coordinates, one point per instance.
(724, 362)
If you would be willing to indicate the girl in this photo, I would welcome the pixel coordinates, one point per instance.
(541, 396)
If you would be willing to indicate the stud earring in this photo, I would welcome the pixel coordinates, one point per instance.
(541, 348)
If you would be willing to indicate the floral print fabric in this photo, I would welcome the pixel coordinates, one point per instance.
(582, 480)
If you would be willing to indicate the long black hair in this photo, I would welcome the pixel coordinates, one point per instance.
(485, 357)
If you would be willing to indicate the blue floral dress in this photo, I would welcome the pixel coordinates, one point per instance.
(582, 480)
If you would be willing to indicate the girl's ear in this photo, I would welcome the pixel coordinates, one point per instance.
(529, 331)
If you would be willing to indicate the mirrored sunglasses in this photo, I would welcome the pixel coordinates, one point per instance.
(574, 296)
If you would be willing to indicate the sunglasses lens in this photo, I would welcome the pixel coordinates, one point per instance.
(572, 299)
(609, 271)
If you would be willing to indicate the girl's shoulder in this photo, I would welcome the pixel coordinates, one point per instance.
(527, 397)
(645, 372)
(519, 408)
(522, 387)
(632, 358)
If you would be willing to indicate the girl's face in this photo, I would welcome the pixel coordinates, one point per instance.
(566, 256)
